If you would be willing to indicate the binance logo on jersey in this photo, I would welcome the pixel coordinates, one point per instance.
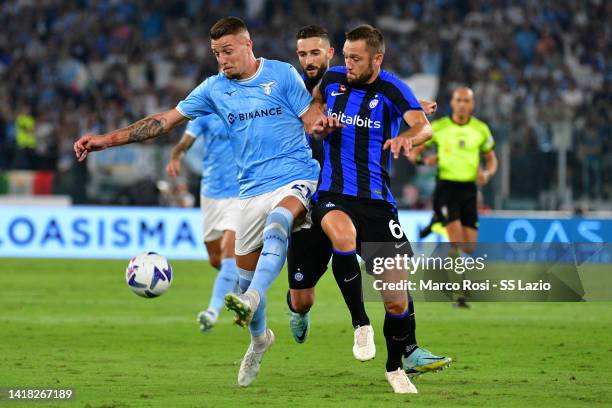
(355, 120)
(257, 113)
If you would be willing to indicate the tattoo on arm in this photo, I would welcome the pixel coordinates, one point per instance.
(145, 129)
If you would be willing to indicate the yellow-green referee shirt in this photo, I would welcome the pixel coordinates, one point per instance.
(459, 147)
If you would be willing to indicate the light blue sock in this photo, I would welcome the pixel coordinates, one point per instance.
(258, 325)
(244, 278)
(244, 281)
(274, 251)
(271, 261)
(224, 283)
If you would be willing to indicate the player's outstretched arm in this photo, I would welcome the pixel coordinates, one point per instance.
(316, 124)
(419, 133)
(420, 129)
(173, 168)
(429, 107)
(145, 129)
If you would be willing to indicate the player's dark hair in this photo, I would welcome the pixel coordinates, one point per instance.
(227, 26)
(372, 36)
(311, 31)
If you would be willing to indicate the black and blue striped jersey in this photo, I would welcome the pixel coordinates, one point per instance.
(354, 162)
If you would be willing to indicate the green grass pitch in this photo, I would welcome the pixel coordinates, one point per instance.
(75, 323)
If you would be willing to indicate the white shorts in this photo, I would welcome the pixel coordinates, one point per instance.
(255, 210)
(220, 214)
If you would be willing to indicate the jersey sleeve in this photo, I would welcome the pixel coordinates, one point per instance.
(298, 97)
(401, 96)
(194, 128)
(198, 102)
(488, 143)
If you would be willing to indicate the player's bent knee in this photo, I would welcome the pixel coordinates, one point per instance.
(340, 230)
(396, 307)
(215, 260)
(344, 243)
(343, 239)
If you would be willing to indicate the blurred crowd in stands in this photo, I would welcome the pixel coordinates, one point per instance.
(541, 70)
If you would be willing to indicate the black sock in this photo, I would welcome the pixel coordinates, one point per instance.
(289, 301)
(348, 277)
(412, 341)
(291, 306)
(397, 334)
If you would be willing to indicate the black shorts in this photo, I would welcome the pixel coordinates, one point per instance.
(454, 200)
(308, 255)
(374, 220)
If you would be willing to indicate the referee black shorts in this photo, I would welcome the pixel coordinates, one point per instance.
(455, 200)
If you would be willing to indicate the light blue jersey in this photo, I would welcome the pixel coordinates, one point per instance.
(262, 114)
(219, 172)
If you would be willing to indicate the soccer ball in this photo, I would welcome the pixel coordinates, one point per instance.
(149, 274)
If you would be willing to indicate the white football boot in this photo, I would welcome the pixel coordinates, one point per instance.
(400, 382)
(249, 367)
(207, 320)
(364, 348)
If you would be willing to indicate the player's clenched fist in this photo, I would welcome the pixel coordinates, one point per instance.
(86, 144)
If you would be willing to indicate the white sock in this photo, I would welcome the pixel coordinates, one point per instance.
(213, 313)
(259, 342)
(253, 296)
